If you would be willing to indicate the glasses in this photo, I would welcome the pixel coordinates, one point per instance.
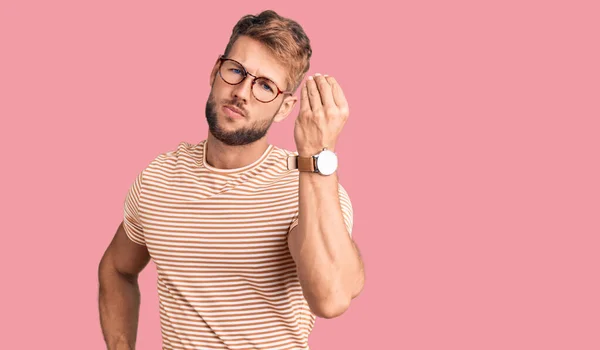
(264, 90)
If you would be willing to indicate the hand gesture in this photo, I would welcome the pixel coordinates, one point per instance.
(323, 113)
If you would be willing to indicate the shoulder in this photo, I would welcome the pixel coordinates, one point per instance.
(169, 161)
(182, 152)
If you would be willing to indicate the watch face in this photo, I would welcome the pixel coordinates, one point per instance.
(327, 162)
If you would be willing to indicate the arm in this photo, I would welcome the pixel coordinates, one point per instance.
(327, 260)
(119, 294)
(328, 263)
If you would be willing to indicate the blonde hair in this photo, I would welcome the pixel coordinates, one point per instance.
(284, 37)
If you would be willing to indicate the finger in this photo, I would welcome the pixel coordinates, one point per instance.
(338, 94)
(325, 91)
(304, 102)
(313, 96)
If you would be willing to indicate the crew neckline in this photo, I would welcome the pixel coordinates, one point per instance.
(251, 166)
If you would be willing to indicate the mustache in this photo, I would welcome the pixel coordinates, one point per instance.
(236, 103)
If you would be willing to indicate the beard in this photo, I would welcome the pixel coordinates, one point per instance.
(239, 137)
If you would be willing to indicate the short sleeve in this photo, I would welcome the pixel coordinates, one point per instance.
(294, 222)
(347, 211)
(131, 218)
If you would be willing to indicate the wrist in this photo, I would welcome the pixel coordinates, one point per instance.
(309, 152)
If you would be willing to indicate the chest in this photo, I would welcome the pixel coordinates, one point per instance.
(228, 232)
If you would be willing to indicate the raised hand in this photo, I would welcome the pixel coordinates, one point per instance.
(323, 113)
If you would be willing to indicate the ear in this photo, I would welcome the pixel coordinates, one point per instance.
(285, 109)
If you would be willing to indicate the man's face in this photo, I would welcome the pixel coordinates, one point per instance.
(256, 117)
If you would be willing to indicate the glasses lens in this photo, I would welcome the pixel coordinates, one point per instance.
(264, 90)
(232, 72)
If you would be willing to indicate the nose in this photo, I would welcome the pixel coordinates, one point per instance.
(243, 90)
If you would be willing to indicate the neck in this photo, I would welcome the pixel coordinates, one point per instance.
(223, 156)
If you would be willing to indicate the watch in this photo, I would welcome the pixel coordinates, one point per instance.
(324, 162)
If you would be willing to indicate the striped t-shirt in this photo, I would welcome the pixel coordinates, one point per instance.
(218, 238)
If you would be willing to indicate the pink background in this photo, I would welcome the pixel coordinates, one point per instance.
(471, 156)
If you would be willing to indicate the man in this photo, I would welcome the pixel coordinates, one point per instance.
(250, 241)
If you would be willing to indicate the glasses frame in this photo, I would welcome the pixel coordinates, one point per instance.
(254, 78)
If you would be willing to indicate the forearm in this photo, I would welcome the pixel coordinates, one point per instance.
(119, 301)
(328, 264)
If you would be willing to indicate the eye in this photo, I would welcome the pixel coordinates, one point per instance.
(236, 71)
(266, 87)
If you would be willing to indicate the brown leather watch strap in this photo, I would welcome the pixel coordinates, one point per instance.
(306, 164)
(301, 163)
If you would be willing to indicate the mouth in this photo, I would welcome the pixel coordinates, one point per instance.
(233, 112)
